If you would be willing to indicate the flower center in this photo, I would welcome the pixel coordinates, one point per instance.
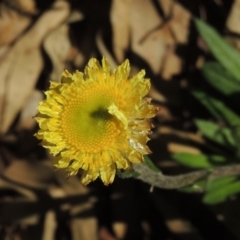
(86, 122)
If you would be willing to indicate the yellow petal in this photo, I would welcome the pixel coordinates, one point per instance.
(135, 157)
(113, 109)
(107, 173)
(78, 76)
(66, 77)
(122, 71)
(53, 84)
(105, 65)
(89, 176)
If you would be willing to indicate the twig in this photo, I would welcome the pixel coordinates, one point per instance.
(157, 179)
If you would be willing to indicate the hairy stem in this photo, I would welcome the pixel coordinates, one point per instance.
(157, 179)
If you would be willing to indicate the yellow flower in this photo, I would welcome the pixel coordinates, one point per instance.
(96, 121)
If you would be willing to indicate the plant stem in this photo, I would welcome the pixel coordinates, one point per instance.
(157, 179)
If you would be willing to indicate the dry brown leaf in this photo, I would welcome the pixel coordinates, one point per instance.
(200, 62)
(32, 219)
(26, 120)
(143, 18)
(19, 70)
(136, 18)
(164, 113)
(50, 225)
(182, 134)
(21, 66)
(28, 6)
(58, 46)
(72, 186)
(30, 173)
(167, 6)
(180, 226)
(120, 229)
(181, 148)
(235, 42)
(81, 228)
(104, 51)
(79, 58)
(75, 16)
(233, 19)
(30, 195)
(180, 23)
(167, 164)
(84, 229)
(119, 17)
(145, 38)
(233, 25)
(25, 196)
(12, 24)
(151, 38)
(156, 95)
(171, 65)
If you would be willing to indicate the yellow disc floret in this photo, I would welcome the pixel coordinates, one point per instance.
(85, 121)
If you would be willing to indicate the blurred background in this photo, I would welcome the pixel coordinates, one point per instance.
(38, 40)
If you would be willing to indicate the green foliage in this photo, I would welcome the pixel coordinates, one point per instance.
(216, 75)
(127, 173)
(224, 76)
(216, 133)
(148, 162)
(131, 173)
(197, 187)
(218, 109)
(216, 191)
(236, 135)
(220, 189)
(222, 51)
(200, 160)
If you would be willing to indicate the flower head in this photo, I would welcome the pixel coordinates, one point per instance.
(96, 121)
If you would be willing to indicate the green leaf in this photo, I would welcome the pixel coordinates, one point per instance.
(236, 136)
(219, 78)
(221, 192)
(218, 108)
(148, 162)
(216, 133)
(199, 160)
(223, 52)
(127, 173)
(197, 187)
(206, 101)
(220, 183)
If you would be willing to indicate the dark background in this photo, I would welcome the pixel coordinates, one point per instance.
(38, 40)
